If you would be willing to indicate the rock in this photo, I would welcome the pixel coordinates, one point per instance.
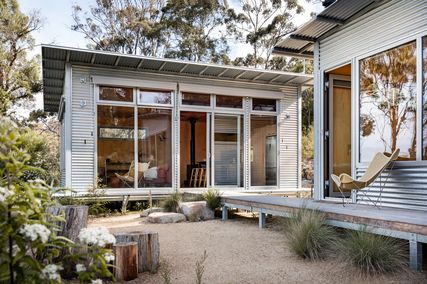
(166, 217)
(148, 211)
(196, 211)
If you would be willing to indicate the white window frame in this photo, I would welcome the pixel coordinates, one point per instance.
(172, 92)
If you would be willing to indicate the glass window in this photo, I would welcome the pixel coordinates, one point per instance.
(196, 99)
(264, 104)
(154, 97)
(116, 146)
(424, 98)
(263, 150)
(388, 103)
(229, 101)
(116, 94)
(155, 147)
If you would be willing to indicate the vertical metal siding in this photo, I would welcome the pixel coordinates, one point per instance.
(62, 154)
(390, 24)
(288, 144)
(82, 136)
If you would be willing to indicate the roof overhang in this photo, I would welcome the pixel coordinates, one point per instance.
(55, 59)
(300, 43)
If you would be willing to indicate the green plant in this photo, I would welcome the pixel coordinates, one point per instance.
(171, 203)
(165, 272)
(200, 268)
(372, 254)
(213, 198)
(308, 235)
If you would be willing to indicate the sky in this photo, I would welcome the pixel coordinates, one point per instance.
(56, 15)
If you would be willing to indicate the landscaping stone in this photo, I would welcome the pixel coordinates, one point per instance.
(148, 211)
(197, 210)
(166, 217)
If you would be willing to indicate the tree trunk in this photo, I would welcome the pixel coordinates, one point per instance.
(148, 248)
(126, 261)
(75, 219)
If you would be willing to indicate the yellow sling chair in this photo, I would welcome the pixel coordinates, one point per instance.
(379, 163)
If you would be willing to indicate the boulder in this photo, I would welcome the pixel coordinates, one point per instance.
(148, 211)
(196, 211)
(166, 217)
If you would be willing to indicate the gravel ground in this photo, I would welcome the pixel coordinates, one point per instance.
(238, 252)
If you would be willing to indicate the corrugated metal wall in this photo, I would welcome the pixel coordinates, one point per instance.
(62, 154)
(288, 144)
(389, 24)
(82, 121)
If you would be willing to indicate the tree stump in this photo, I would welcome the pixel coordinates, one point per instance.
(126, 261)
(148, 248)
(75, 219)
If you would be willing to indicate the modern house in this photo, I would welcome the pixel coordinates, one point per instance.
(131, 124)
(370, 94)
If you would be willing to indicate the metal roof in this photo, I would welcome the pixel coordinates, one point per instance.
(55, 57)
(300, 43)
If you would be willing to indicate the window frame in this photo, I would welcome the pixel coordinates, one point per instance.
(419, 99)
(155, 105)
(111, 102)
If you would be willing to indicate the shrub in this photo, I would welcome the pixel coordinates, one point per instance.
(171, 203)
(308, 235)
(200, 268)
(372, 254)
(212, 198)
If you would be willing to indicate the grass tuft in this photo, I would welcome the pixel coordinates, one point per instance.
(308, 235)
(171, 203)
(213, 198)
(372, 254)
(200, 268)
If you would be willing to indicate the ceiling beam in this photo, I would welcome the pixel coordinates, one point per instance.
(291, 52)
(117, 61)
(204, 70)
(300, 37)
(240, 74)
(140, 63)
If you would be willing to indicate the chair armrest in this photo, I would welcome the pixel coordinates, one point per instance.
(345, 178)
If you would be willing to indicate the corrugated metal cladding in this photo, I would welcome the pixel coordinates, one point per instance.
(82, 120)
(288, 127)
(62, 155)
(392, 21)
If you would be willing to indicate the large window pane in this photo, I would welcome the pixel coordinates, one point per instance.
(116, 94)
(425, 98)
(263, 150)
(229, 101)
(154, 97)
(115, 146)
(388, 103)
(154, 147)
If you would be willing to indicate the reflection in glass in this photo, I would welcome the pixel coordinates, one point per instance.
(228, 101)
(196, 99)
(115, 146)
(263, 150)
(155, 147)
(116, 94)
(264, 104)
(388, 103)
(154, 97)
(425, 98)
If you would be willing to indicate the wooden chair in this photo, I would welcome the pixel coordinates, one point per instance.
(194, 177)
(378, 164)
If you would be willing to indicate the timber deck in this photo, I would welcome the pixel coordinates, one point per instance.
(405, 224)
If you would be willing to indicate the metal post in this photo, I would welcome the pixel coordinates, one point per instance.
(224, 213)
(415, 253)
(261, 220)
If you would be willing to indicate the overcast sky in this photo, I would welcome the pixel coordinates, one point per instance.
(57, 24)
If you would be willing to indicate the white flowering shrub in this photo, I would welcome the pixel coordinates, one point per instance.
(30, 250)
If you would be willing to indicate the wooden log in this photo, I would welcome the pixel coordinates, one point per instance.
(75, 219)
(148, 248)
(126, 261)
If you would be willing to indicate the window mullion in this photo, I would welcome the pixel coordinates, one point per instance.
(419, 92)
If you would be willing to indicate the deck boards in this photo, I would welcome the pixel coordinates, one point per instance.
(404, 220)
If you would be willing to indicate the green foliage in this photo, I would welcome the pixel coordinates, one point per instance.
(19, 74)
(31, 248)
(308, 235)
(308, 143)
(213, 198)
(200, 268)
(171, 203)
(372, 254)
